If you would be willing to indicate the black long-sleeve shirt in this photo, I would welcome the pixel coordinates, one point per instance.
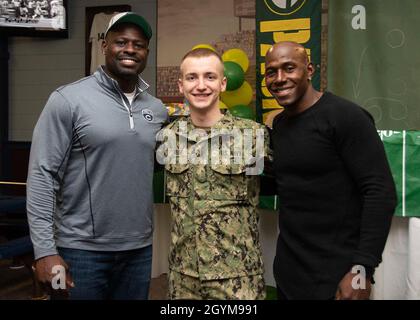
(336, 193)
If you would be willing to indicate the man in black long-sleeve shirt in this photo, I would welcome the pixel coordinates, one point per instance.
(336, 191)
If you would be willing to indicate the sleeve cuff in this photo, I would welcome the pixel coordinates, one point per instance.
(42, 252)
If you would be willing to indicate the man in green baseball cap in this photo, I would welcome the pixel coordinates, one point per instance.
(130, 17)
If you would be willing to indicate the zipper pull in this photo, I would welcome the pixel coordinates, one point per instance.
(131, 120)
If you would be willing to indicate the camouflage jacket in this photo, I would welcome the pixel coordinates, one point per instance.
(214, 231)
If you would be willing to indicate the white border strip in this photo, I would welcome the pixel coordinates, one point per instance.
(403, 175)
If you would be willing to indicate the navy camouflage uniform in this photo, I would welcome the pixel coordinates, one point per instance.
(215, 251)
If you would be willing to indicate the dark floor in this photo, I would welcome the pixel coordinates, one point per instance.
(16, 284)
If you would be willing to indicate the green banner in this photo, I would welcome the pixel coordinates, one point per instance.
(374, 60)
(285, 20)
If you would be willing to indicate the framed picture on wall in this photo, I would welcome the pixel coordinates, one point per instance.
(97, 19)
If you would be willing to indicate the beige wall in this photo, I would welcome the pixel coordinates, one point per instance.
(38, 66)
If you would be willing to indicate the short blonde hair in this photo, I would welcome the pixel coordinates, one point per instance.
(203, 53)
(200, 53)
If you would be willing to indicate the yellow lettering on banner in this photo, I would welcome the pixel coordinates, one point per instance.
(301, 36)
(270, 104)
(264, 48)
(262, 68)
(265, 92)
(285, 25)
(308, 52)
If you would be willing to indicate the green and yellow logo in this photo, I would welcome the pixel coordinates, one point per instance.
(284, 7)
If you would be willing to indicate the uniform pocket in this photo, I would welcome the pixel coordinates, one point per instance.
(228, 182)
(177, 180)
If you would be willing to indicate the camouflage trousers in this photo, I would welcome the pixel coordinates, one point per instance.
(182, 286)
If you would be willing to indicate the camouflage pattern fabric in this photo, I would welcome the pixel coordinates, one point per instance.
(190, 288)
(214, 232)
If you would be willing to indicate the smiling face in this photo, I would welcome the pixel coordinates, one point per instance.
(288, 73)
(126, 51)
(202, 81)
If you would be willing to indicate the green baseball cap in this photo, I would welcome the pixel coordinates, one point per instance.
(130, 17)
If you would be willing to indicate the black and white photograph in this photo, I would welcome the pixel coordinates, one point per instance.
(45, 14)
